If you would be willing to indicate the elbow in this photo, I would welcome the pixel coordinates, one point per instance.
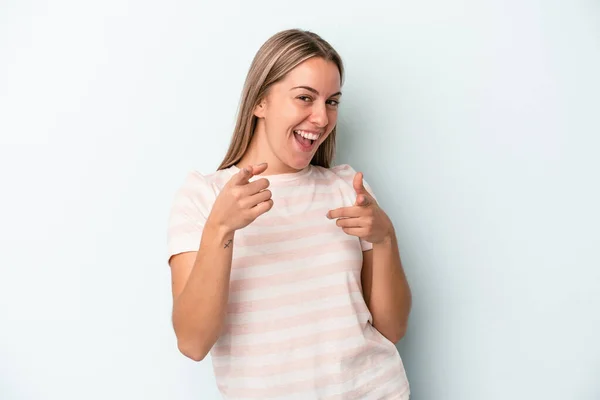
(195, 344)
(397, 334)
(401, 333)
(193, 351)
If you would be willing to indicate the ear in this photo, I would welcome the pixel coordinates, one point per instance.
(259, 110)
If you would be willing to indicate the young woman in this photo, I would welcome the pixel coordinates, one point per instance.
(284, 267)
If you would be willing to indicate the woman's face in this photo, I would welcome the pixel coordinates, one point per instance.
(298, 114)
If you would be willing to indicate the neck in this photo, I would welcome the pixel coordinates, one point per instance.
(259, 151)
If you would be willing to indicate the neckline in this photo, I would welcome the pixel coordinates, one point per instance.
(285, 177)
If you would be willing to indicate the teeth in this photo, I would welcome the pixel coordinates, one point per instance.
(307, 135)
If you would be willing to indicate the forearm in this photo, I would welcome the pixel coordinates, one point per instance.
(390, 297)
(199, 311)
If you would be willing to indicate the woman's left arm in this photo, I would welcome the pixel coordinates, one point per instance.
(385, 288)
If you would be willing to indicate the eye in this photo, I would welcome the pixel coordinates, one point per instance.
(333, 102)
(304, 98)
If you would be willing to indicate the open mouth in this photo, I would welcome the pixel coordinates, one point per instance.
(305, 139)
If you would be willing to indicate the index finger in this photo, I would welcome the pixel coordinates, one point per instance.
(345, 212)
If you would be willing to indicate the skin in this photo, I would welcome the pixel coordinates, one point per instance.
(307, 98)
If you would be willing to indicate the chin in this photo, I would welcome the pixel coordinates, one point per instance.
(299, 164)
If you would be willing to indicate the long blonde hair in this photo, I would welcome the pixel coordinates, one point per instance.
(280, 54)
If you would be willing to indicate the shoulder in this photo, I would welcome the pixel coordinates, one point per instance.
(342, 175)
(199, 190)
(214, 181)
(201, 180)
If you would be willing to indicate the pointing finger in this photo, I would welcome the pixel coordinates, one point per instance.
(248, 172)
(344, 212)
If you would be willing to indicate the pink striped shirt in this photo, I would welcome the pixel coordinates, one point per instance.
(297, 325)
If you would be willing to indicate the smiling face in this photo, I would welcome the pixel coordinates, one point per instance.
(297, 115)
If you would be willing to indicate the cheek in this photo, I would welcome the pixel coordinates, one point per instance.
(298, 113)
(289, 114)
(277, 119)
(332, 121)
(332, 117)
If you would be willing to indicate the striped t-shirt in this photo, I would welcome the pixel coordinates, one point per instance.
(297, 325)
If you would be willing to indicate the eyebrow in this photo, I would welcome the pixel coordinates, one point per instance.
(315, 91)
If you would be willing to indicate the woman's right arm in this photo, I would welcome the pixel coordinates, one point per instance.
(200, 291)
(200, 279)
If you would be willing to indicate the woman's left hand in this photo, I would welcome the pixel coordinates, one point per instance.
(365, 219)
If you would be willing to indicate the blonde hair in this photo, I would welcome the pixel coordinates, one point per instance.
(280, 54)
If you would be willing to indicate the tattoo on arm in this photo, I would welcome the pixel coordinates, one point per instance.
(227, 244)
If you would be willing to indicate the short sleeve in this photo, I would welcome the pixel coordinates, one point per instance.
(347, 174)
(190, 208)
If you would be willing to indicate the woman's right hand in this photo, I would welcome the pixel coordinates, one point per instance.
(241, 202)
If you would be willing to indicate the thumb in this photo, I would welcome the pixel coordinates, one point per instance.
(243, 176)
(362, 201)
(358, 184)
(246, 173)
(362, 196)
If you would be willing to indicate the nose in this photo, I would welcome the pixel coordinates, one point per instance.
(319, 115)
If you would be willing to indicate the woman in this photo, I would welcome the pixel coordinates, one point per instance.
(284, 267)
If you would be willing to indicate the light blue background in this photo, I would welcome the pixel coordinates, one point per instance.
(476, 123)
